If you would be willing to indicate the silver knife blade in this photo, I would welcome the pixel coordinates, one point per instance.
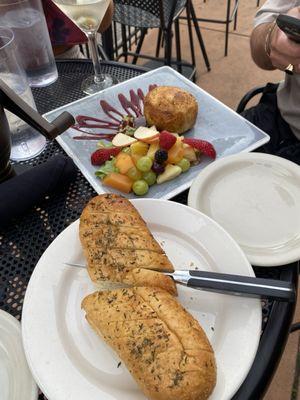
(75, 265)
(231, 284)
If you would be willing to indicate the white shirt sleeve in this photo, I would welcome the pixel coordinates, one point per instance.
(272, 8)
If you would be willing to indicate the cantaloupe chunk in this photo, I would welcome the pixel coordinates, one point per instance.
(175, 154)
(135, 158)
(118, 181)
(124, 162)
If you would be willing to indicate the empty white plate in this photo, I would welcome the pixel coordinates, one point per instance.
(256, 198)
(16, 381)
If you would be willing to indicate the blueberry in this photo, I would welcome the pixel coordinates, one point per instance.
(161, 156)
(158, 168)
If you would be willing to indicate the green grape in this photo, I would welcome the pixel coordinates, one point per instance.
(144, 164)
(134, 174)
(126, 150)
(140, 187)
(149, 177)
(184, 164)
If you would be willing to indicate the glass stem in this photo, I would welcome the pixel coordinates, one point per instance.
(95, 58)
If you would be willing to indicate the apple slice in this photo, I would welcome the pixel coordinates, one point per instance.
(122, 140)
(154, 140)
(146, 135)
(170, 172)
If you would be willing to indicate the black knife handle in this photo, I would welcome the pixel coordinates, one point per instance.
(237, 284)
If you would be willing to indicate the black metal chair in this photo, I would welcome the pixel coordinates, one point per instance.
(163, 15)
(247, 97)
(230, 16)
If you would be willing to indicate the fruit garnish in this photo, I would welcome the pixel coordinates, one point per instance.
(154, 140)
(140, 148)
(152, 150)
(149, 177)
(104, 144)
(107, 168)
(140, 187)
(134, 174)
(135, 158)
(141, 156)
(124, 162)
(184, 164)
(126, 150)
(146, 134)
(171, 172)
(161, 156)
(127, 121)
(166, 140)
(127, 125)
(189, 153)
(158, 168)
(122, 140)
(100, 156)
(175, 154)
(144, 164)
(201, 145)
(118, 181)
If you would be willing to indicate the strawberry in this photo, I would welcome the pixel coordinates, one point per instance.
(202, 145)
(166, 140)
(101, 155)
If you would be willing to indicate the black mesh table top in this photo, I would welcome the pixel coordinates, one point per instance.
(23, 242)
(71, 73)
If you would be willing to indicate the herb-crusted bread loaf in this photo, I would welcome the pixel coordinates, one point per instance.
(162, 345)
(118, 246)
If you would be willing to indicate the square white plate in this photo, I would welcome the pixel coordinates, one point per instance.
(216, 123)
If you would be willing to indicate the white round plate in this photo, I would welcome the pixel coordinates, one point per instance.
(256, 198)
(69, 361)
(16, 381)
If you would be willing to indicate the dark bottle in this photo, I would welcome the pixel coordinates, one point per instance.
(10, 101)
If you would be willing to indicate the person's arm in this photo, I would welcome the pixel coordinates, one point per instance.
(257, 44)
(107, 18)
(282, 51)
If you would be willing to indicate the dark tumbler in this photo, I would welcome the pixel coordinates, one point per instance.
(10, 101)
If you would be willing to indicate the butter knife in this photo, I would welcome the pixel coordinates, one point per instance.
(231, 284)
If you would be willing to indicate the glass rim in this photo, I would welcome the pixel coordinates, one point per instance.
(6, 33)
(12, 4)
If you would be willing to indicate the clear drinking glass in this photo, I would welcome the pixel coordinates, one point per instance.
(26, 142)
(88, 15)
(26, 19)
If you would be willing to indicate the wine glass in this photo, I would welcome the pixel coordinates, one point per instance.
(88, 15)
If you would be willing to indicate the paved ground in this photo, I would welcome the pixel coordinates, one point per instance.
(230, 78)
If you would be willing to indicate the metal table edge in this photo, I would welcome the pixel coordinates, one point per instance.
(272, 343)
(138, 68)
